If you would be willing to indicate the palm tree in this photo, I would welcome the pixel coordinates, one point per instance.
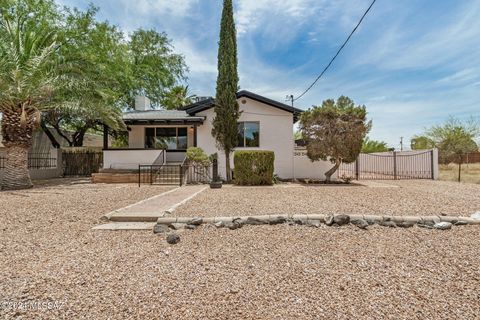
(29, 77)
(177, 97)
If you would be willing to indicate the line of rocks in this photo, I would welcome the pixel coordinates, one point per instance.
(166, 225)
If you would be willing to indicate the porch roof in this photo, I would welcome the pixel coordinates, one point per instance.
(161, 116)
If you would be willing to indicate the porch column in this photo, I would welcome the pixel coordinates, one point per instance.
(194, 135)
(105, 137)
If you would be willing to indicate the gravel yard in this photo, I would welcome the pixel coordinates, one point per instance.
(49, 253)
(413, 197)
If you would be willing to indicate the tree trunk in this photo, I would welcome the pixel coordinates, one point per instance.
(331, 171)
(227, 166)
(16, 174)
(50, 135)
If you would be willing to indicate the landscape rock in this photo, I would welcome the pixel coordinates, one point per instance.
(362, 224)
(219, 224)
(300, 221)
(341, 219)
(443, 225)
(233, 225)
(254, 221)
(160, 228)
(191, 226)
(277, 220)
(196, 221)
(313, 223)
(389, 224)
(475, 215)
(329, 220)
(176, 225)
(173, 238)
(405, 224)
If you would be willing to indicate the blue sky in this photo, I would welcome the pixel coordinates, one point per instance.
(412, 62)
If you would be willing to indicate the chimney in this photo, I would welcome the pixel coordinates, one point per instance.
(142, 103)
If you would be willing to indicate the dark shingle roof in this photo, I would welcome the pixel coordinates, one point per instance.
(209, 103)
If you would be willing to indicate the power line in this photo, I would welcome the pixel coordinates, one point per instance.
(338, 52)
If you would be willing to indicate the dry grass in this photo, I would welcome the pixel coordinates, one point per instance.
(50, 253)
(470, 173)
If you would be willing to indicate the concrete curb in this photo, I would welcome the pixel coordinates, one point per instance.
(321, 218)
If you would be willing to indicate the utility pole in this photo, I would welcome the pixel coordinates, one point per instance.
(290, 98)
(401, 143)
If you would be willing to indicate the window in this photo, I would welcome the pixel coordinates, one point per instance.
(248, 134)
(166, 138)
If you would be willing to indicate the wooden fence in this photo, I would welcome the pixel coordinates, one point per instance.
(81, 162)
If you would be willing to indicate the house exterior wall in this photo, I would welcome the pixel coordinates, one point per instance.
(276, 134)
(304, 168)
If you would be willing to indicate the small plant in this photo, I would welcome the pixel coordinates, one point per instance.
(275, 179)
(346, 179)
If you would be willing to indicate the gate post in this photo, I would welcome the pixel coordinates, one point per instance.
(394, 165)
(357, 167)
(432, 163)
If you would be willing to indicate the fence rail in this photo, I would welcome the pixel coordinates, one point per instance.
(392, 166)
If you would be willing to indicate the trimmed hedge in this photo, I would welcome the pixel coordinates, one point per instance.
(253, 167)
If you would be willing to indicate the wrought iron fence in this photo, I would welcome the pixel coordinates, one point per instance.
(174, 174)
(393, 166)
(167, 174)
(36, 161)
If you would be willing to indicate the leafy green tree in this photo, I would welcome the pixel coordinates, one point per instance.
(103, 58)
(421, 143)
(177, 97)
(156, 69)
(454, 138)
(334, 131)
(370, 146)
(227, 111)
(30, 76)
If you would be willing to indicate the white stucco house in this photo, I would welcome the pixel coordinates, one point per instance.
(162, 136)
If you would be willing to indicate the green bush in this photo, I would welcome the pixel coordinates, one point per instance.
(197, 156)
(253, 167)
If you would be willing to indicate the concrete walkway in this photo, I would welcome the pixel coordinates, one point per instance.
(149, 210)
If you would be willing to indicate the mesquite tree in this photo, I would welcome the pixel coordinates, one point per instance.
(334, 131)
(227, 111)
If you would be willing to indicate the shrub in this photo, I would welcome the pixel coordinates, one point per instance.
(197, 156)
(253, 167)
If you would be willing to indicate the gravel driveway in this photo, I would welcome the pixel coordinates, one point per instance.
(50, 254)
(413, 197)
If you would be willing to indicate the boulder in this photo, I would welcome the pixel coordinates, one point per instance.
(160, 228)
(176, 226)
(254, 221)
(360, 223)
(329, 220)
(405, 224)
(233, 225)
(475, 216)
(442, 225)
(277, 220)
(191, 226)
(219, 224)
(313, 223)
(341, 219)
(389, 224)
(196, 221)
(173, 238)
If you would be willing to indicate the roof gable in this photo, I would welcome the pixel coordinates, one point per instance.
(209, 103)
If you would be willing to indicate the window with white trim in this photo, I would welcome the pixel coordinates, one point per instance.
(248, 134)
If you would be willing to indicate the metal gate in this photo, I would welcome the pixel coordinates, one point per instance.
(391, 166)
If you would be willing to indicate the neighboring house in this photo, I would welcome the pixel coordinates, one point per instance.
(264, 124)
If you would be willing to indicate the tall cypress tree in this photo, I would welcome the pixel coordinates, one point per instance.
(227, 111)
